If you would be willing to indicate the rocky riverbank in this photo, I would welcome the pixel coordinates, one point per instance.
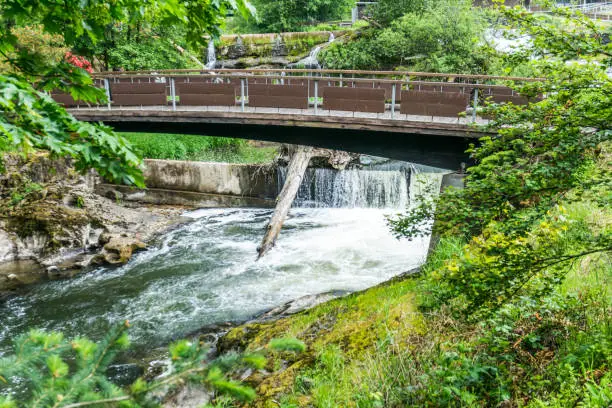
(53, 224)
(317, 320)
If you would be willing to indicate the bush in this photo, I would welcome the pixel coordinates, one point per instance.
(52, 371)
(198, 148)
(385, 11)
(292, 15)
(445, 38)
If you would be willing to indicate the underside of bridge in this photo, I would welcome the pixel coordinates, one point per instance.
(442, 151)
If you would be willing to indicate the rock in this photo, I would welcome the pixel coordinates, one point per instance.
(119, 249)
(52, 270)
(300, 304)
(59, 222)
(124, 374)
(190, 396)
(19, 273)
(7, 246)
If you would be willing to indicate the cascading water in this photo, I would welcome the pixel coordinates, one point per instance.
(312, 61)
(211, 56)
(351, 188)
(205, 272)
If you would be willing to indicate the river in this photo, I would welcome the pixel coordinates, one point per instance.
(205, 272)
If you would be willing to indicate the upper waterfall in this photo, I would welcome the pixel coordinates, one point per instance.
(392, 185)
(211, 56)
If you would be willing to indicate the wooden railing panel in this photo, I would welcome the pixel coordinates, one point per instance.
(66, 100)
(278, 96)
(137, 88)
(138, 93)
(354, 99)
(205, 94)
(139, 99)
(204, 88)
(433, 103)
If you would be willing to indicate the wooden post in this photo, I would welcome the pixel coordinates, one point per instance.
(475, 105)
(173, 94)
(108, 94)
(316, 96)
(242, 94)
(295, 174)
(393, 100)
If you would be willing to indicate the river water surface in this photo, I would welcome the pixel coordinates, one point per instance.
(205, 272)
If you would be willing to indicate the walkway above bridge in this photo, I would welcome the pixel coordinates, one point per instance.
(264, 104)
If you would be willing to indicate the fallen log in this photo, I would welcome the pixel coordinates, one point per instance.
(295, 174)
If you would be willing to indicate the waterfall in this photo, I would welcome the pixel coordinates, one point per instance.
(392, 186)
(311, 61)
(211, 56)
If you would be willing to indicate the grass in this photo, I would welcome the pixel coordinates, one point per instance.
(381, 348)
(199, 148)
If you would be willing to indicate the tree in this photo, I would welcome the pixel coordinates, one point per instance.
(510, 211)
(50, 371)
(31, 120)
(440, 37)
(384, 12)
(292, 15)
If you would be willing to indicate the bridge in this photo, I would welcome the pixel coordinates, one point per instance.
(421, 117)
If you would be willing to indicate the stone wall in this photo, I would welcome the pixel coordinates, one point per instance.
(249, 180)
(276, 50)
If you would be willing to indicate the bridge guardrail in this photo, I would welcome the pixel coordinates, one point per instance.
(348, 91)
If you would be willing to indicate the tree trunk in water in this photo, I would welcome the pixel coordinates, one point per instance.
(295, 174)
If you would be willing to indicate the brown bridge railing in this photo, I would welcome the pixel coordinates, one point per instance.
(380, 92)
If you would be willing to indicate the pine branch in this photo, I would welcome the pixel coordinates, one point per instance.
(103, 401)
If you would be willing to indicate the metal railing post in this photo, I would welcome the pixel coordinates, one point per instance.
(393, 101)
(107, 90)
(173, 93)
(316, 96)
(475, 105)
(242, 97)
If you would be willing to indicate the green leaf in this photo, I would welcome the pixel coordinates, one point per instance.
(287, 344)
(57, 367)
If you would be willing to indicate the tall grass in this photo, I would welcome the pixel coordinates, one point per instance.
(198, 148)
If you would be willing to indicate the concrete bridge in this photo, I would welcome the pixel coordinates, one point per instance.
(418, 117)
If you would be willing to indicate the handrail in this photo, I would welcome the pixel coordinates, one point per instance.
(216, 72)
(325, 79)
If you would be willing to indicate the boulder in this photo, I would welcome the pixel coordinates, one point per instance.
(119, 248)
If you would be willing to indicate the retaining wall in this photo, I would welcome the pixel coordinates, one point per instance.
(201, 184)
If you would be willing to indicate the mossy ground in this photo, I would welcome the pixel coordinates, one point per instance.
(384, 348)
(350, 328)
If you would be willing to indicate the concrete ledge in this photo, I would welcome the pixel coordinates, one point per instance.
(259, 181)
(175, 197)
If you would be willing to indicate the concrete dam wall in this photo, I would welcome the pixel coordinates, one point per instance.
(202, 184)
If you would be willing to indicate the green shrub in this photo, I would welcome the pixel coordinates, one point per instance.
(444, 38)
(48, 370)
(198, 148)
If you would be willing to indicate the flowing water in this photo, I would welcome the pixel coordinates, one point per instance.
(312, 60)
(205, 272)
(211, 56)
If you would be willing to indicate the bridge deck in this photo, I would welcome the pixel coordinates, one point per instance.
(385, 122)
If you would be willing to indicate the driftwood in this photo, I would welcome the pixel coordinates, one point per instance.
(295, 174)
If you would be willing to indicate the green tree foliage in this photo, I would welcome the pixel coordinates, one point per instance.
(519, 242)
(51, 371)
(30, 120)
(445, 37)
(384, 12)
(292, 15)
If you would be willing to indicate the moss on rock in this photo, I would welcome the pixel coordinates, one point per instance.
(354, 324)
